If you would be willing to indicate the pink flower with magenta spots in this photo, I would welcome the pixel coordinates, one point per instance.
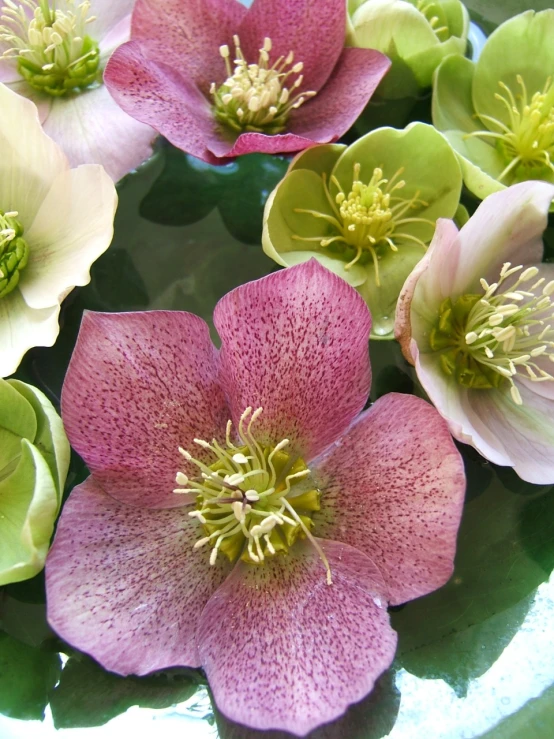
(296, 519)
(219, 80)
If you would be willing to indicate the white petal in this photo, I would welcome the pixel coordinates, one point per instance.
(109, 13)
(29, 159)
(525, 431)
(92, 129)
(506, 227)
(21, 328)
(454, 403)
(73, 227)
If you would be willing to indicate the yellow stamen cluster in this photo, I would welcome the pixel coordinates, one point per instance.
(368, 217)
(526, 140)
(253, 501)
(258, 97)
(430, 10)
(499, 336)
(54, 53)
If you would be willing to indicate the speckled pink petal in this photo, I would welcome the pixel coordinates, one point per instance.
(506, 227)
(295, 343)
(393, 487)
(314, 31)
(156, 94)
(339, 103)
(187, 34)
(281, 143)
(125, 585)
(139, 385)
(282, 649)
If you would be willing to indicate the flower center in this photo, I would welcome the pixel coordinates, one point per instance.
(258, 97)
(253, 501)
(368, 218)
(14, 252)
(527, 141)
(487, 340)
(53, 52)
(433, 12)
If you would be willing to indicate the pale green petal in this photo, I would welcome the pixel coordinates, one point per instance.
(303, 189)
(50, 438)
(319, 159)
(480, 162)
(457, 18)
(430, 170)
(393, 271)
(425, 62)
(28, 508)
(17, 421)
(72, 228)
(522, 45)
(394, 27)
(452, 96)
(355, 275)
(21, 328)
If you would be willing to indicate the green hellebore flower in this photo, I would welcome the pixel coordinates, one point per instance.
(34, 458)
(415, 34)
(367, 212)
(498, 113)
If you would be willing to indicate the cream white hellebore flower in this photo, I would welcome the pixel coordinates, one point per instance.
(54, 223)
(476, 318)
(54, 52)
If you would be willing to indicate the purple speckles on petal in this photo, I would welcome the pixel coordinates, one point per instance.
(296, 344)
(125, 585)
(139, 386)
(394, 489)
(282, 649)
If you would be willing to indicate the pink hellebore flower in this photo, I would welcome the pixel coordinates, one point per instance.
(219, 80)
(476, 318)
(272, 562)
(54, 53)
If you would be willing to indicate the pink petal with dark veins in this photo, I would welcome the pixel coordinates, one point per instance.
(187, 34)
(125, 585)
(156, 94)
(282, 649)
(394, 488)
(314, 31)
(295, 343)
(280, 143)
(339, 103)
(139, 385)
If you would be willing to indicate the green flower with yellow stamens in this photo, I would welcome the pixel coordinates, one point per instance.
(367, 211)
(498, 113)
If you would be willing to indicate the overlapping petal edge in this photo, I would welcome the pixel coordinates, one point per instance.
(162, 76)
(503, 432)
(140, 385)
(67, 215)
(89, 126)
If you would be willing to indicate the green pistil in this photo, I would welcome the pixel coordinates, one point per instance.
(257, 97)
(54, 53)
(369, 217)
(14, 252)
(526, 141)
(493, 339)
(448, 338)
(253, 501)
